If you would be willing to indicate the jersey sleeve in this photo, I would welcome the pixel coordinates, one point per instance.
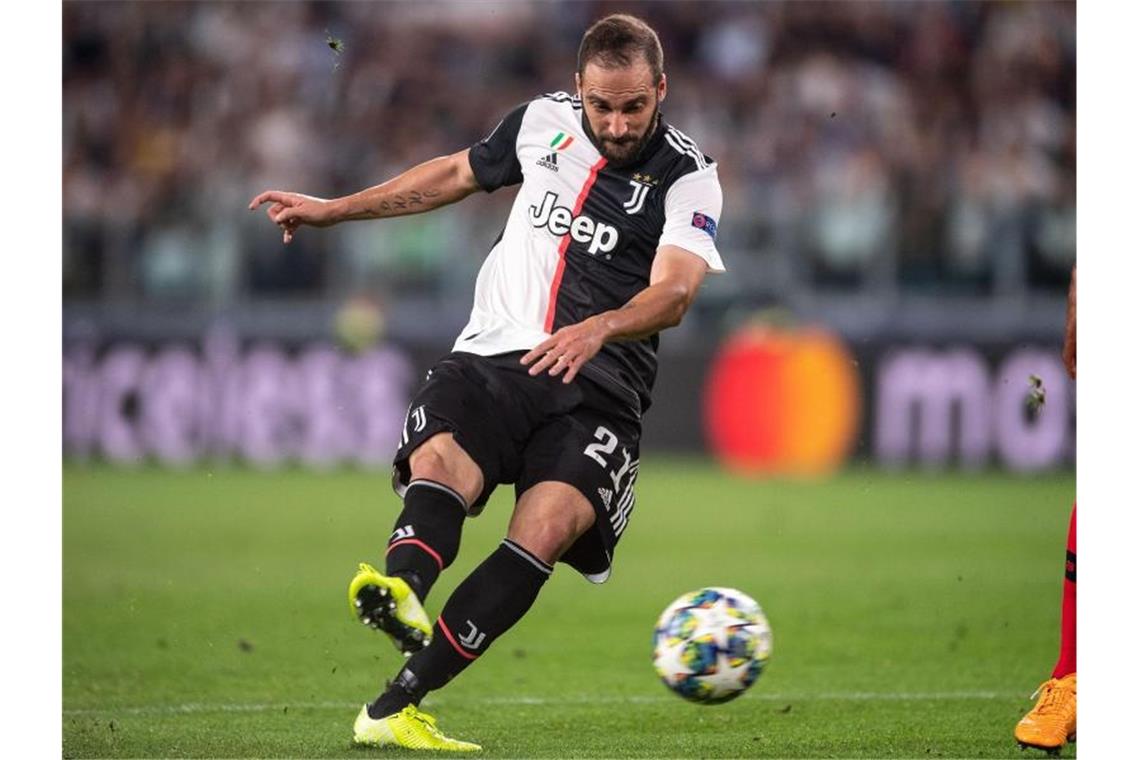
(692, 210)
(494, 159)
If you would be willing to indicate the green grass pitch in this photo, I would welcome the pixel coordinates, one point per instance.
(205, 615)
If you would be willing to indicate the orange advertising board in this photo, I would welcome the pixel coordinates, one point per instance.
(782, 402)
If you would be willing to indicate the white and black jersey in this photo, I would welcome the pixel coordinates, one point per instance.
(582, 235)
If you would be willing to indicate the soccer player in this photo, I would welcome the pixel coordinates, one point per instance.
(1053, 720)
(612, 231)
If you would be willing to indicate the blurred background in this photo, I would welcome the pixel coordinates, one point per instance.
(899, 224)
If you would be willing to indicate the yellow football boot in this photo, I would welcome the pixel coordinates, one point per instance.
(409, 728)
(1053, 720)
(388, 604)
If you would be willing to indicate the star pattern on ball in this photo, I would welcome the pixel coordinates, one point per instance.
(711, 645)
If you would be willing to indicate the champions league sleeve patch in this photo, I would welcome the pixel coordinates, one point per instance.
(705, 222)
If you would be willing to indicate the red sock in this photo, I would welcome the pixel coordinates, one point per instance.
(1067, 662)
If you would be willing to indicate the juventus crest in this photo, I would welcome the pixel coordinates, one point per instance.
(641, 185)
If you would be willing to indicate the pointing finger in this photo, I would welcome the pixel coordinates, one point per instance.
(268, 195)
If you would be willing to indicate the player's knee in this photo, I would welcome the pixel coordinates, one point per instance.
(547, 542)
(549, 537)
(441, 460)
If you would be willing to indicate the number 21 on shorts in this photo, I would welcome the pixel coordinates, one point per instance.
(605, 444)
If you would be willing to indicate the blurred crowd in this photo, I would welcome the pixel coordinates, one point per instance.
(867, 147)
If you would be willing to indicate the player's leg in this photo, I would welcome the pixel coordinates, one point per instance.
(425, 537)
(444, 480)
(575, 497)
(491, 418)
(1053, 720)
(548, 518)
(446, 459)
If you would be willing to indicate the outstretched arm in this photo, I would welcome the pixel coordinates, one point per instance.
(427, 186)
(673, 283)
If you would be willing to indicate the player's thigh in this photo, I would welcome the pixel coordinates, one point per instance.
(548, 518)
(593, 451)
(455, 433)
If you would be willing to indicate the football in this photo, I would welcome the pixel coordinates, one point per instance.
(710, 645)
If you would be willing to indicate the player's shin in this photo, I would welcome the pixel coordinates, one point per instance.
(484, 606)
(425, 538)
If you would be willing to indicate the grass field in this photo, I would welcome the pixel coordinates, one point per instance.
(205, 616)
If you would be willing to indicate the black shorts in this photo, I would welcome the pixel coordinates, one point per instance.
(524, 430)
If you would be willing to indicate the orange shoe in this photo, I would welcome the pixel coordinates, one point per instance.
(1053, 720)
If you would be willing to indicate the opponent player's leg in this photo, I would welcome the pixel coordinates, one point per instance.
(548, 518)
(1067, 659)
(1053, 720)
(444, 481)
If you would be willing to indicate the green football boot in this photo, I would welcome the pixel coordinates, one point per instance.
(388, 604)
(408, 728)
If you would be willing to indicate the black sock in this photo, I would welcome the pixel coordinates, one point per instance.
(403, 690)
(483, 607)
(425, 539)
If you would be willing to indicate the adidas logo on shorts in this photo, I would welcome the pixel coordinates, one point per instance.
(549, 162)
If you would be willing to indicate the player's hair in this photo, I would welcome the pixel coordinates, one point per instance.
(616, 40)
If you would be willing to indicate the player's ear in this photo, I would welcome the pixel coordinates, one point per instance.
(662, 87)
(578, 84)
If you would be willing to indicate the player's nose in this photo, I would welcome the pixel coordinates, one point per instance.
(618, 127)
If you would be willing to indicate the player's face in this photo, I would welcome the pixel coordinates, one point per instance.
(621, 107)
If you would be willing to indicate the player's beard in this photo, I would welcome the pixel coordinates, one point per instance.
(626, 150)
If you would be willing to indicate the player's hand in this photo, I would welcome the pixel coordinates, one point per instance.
(290, 210)
(567, 350)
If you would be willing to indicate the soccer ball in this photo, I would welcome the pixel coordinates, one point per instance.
(711, 645)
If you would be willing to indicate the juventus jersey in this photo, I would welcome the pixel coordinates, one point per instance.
(582, 235)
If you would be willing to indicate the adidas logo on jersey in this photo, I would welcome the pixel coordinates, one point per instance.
(607, 496)
(549, 162)
(561, 220)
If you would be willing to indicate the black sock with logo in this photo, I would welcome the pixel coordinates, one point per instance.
(481, 609)
(425, 539)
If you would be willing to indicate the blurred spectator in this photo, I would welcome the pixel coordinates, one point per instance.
(862, 145)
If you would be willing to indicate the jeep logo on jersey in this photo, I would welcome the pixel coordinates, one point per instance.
(561, 220)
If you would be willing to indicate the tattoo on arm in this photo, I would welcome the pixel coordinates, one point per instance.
(416, 198)
(401, 202)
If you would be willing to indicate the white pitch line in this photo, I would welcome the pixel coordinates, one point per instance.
(855, 696)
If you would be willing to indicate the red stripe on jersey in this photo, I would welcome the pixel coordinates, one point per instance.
(566, 243)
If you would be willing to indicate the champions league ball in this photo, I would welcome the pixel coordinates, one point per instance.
(711, 645)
